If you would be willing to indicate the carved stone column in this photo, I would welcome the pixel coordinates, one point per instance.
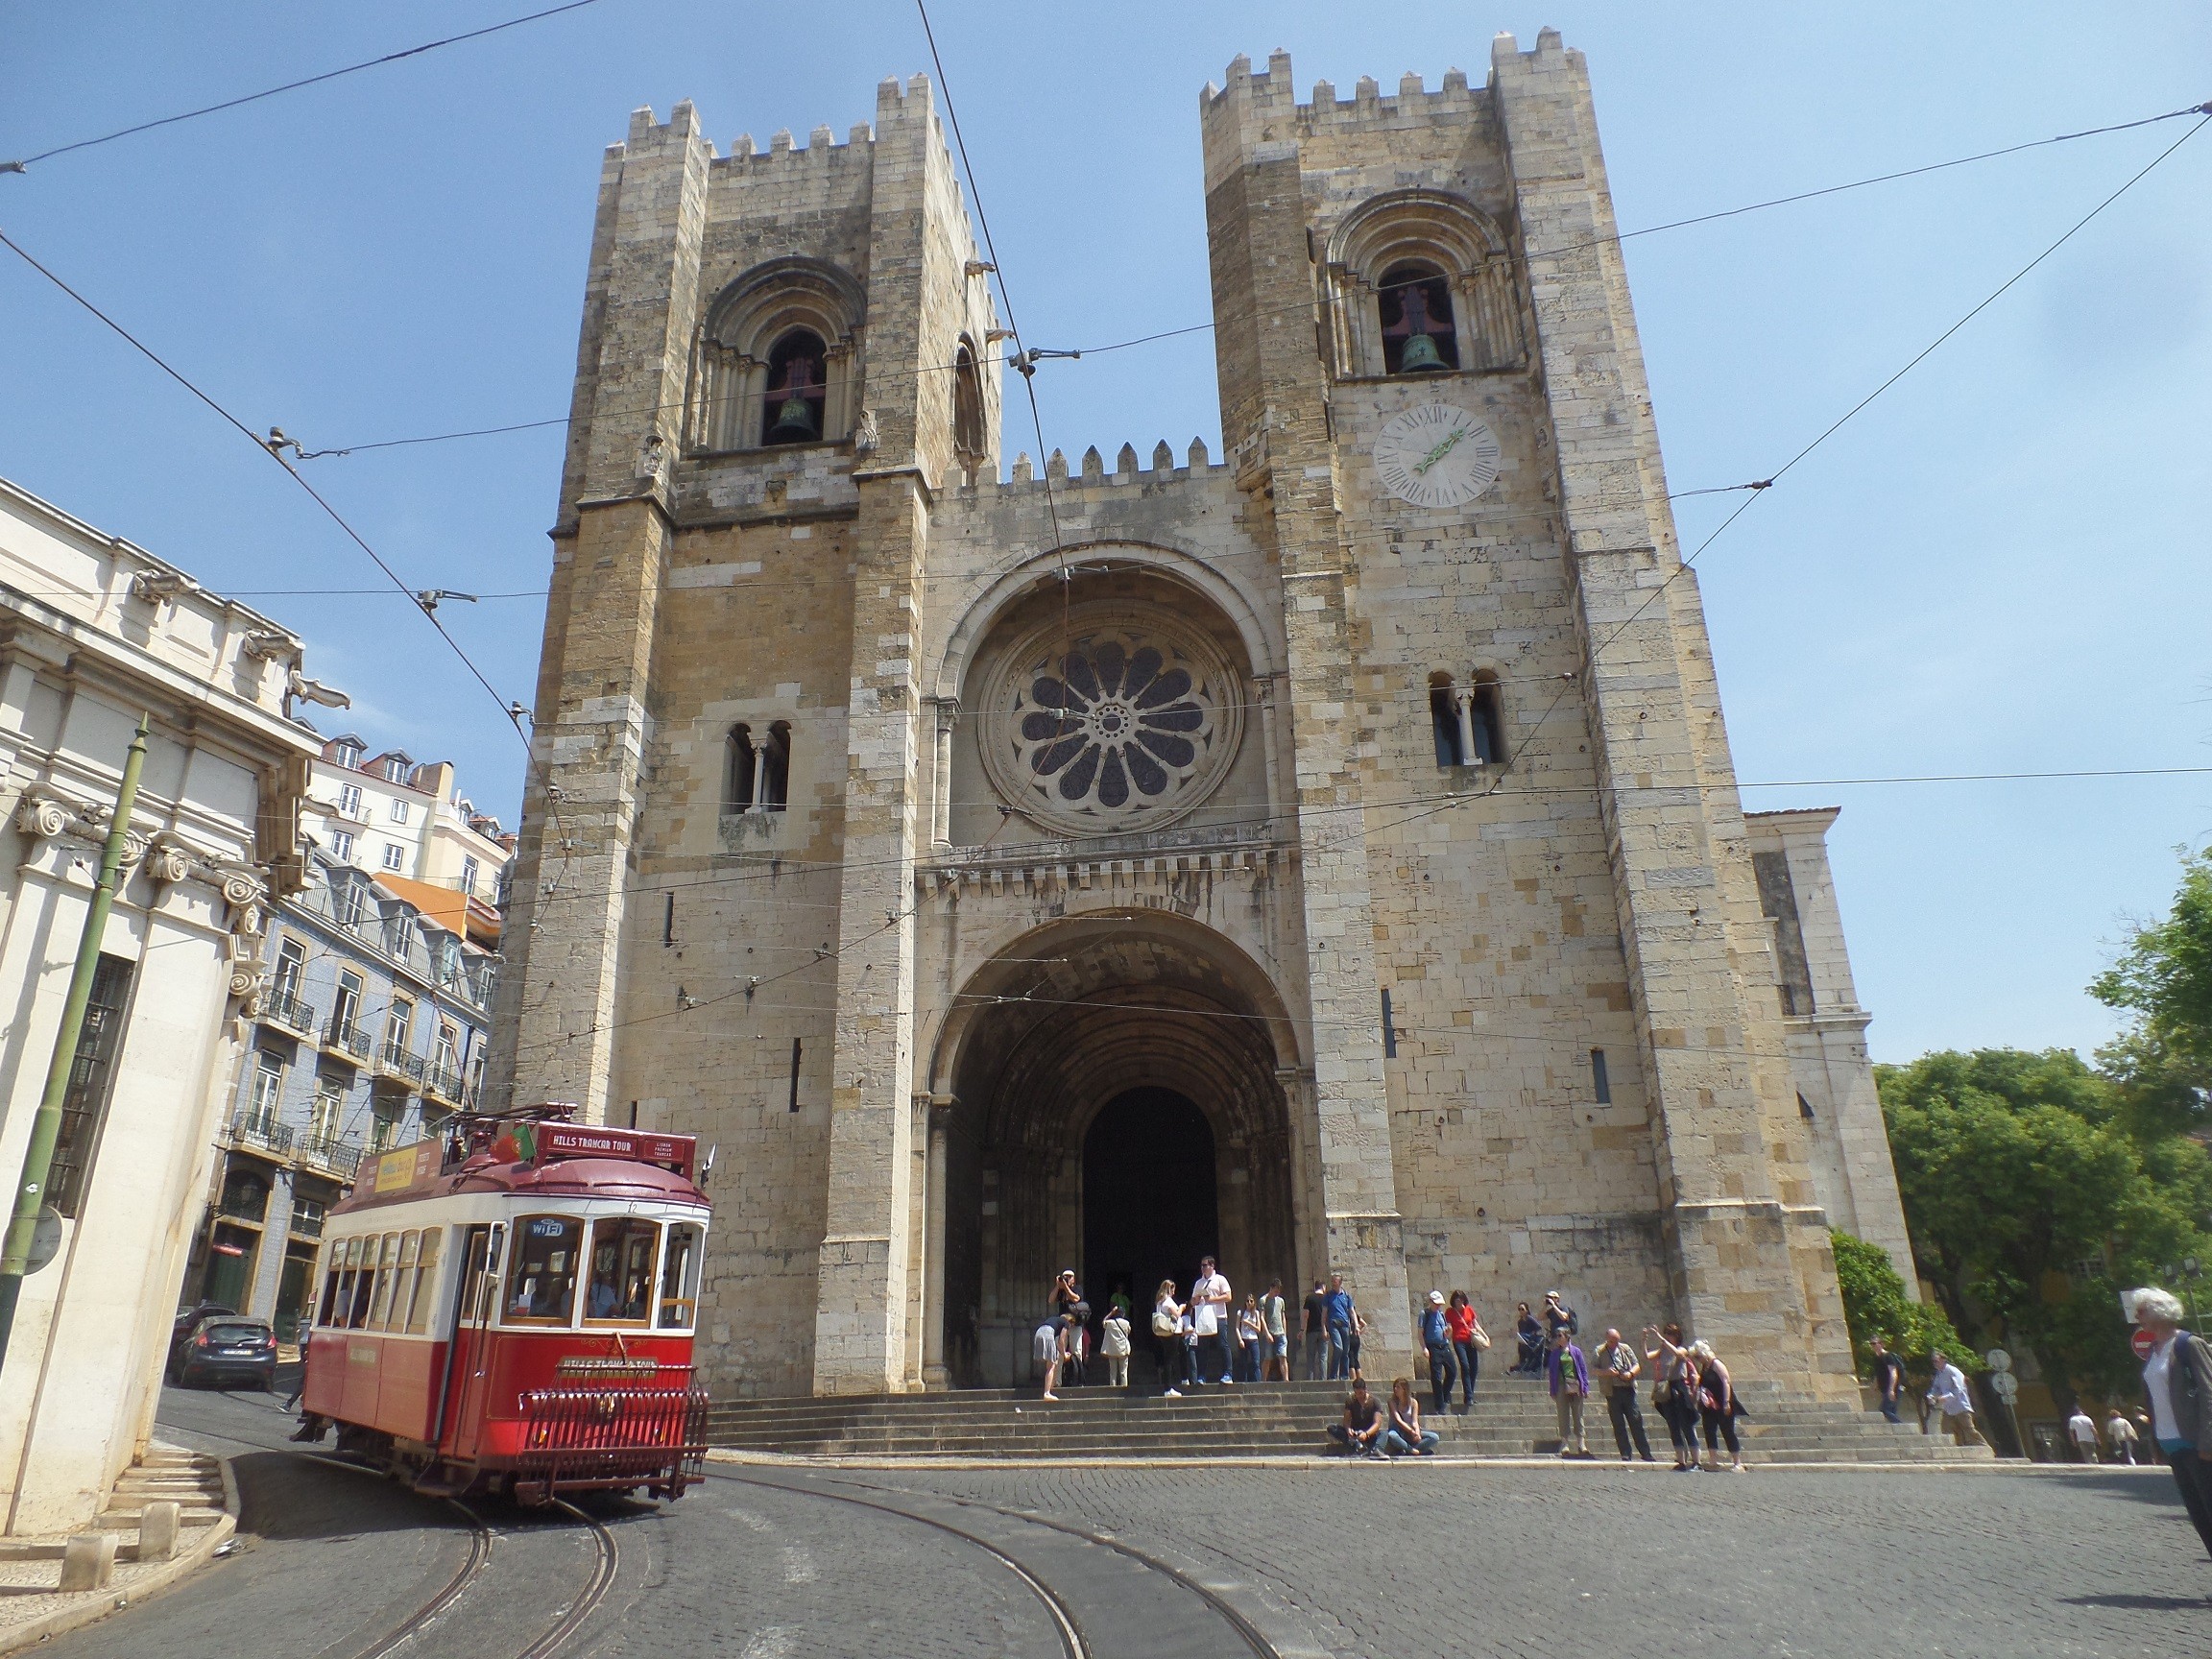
(934, 1374)
(941, 784)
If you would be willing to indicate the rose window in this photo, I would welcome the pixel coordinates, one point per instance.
(1125, 726)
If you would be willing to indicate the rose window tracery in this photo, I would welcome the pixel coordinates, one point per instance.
(1127, 727)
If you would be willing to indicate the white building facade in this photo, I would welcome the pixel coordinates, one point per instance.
(94, 633)
(391, 815)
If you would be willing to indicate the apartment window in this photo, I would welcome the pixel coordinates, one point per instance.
(341, 846)
(268, 1088)
(448, 1058)
(328, 1111)
(85, 1107)
(398, 811)
(307, 1215)
(397, 1021)
(396, 771)
(394, 856)
(349, 799)
(384, 1123)
(347, 1007)
(291, 965)
(348, 756)
(468, 877)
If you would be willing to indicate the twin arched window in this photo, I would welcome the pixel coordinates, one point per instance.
(1464, 720)
(757, 775)
(1420, 281)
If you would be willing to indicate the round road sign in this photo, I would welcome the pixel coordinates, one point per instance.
(2142, 1342)
(2007, 1386)
(1999, 1361)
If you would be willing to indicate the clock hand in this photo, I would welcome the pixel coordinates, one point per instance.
(1440, 451)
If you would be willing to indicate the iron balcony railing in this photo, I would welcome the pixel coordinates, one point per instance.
(283, 1008)
(396, 1058)
(260, 1128)
(444, 1082)
(341, 1158)
(348, 1038)
(637, 1424)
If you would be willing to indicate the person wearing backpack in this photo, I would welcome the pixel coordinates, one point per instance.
(1113, 1344)
(1436, 1344)
(2177, 1379)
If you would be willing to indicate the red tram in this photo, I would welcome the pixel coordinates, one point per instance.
(510, 1309)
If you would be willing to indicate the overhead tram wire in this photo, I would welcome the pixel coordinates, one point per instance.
(513, 710)
(28, 161)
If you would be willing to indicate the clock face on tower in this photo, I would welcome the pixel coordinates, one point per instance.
(1437, 455)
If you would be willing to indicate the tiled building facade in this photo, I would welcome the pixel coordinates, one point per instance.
(1328, 856)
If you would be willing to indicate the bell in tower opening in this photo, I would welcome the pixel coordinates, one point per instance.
(1416, 311)
(795, 394)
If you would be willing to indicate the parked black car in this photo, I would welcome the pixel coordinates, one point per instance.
(223, 1348)
(180, 1333)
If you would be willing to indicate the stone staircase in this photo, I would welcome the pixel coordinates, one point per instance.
(193, 1481)
(1513, 1417)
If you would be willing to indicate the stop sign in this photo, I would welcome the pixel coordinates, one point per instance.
(2142, 1342)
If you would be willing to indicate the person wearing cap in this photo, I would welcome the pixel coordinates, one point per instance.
(1558, 1316)
(1436, 1344)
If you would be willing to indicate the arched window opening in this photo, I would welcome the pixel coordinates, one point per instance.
(797, 392)
(1485, 724)
(1443, 722)
(967, 411)
(739, 775)
(775, 791)
(1418, 336)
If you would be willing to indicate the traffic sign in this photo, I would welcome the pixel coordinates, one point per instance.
(1999, 1361)
(2007, 1386)
(2142, 1342)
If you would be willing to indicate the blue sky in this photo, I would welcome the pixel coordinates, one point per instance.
(1999, 567)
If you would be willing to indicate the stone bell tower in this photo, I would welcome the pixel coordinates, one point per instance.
(1431, 377)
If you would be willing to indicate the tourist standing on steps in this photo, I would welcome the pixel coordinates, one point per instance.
(1361, 1433)
(1313, 1332)
(1072, 1315)
(1250, 1327)
(1718, 1406)
(1675, 1390)
(1114, 1344)
(1618, 1369)
(2119, 1433)
(1044, 1351)
(1888, 1377)
(1337, 1323)
(1558, 1316)
(1406, 1437)
(1947, 1393)
(1529, 1361)
(1436, 1344)
(1353, 1339)
(1570, 1379)
(1168, 1337)
(1468, 1340)
(2177, 1376)
(1274, 1318)
(1210, 1319)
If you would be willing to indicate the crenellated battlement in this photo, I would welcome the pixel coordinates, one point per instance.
(1090, 474)
(1262, 106)
(896, 102)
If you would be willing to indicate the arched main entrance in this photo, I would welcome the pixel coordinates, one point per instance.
(1150, 1206)
(1117, 1108)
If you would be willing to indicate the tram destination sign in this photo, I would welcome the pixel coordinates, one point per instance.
(675, 1152)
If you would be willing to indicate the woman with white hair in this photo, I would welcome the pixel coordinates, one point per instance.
(2177, 1376)
(1718, 1406)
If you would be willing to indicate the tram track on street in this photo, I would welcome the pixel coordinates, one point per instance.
(1075, 1644)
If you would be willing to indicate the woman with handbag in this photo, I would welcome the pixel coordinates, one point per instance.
(1167, 1339)
(1675, 1392)
(1468, 1342)
(1718, 1407)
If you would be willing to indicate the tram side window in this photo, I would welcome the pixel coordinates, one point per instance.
(679, 1279)
(541, 1284)
(333, 1282)
(387, 1271)
(402, 1283)
(425, 1282)
(621, 1284)
(365, 1252)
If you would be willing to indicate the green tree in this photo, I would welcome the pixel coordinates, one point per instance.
(2164, 978)
(1875, 1305)
(2034, 1188)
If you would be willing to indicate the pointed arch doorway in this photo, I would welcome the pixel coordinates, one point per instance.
(1150, 1206)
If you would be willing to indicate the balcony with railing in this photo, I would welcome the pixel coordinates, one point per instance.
(328, 1153)
(281, 1008)
(395, 1059)
(347, 1040)
(259, 1130)
(445, 1082)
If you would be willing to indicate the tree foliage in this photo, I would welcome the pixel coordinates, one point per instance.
(1875, 1305)
(2035, 1186)
(2164, 978)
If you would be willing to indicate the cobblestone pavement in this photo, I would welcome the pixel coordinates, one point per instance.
(1368, 1561)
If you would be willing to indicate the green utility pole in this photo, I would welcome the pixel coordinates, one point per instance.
(46, 1126)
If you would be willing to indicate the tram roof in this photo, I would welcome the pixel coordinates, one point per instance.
(530, 1159)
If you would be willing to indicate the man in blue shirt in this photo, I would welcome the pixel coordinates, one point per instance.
(1336, 1318)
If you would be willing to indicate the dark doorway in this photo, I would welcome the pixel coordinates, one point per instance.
(1149, 1206)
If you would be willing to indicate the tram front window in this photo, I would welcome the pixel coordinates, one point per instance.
(541, 1285)
(679, 1279)
(621, 1271)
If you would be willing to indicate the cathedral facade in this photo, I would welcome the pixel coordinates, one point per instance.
(1325, 856)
